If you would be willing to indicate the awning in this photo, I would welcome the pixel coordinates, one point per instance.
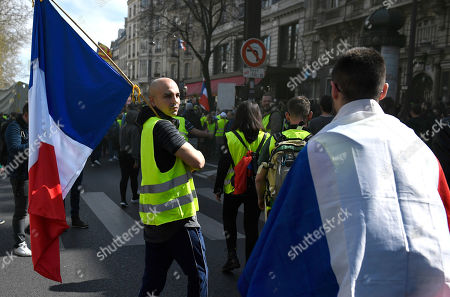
(196, 88)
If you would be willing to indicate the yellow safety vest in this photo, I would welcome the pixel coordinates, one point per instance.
(221, 127)
(203, 120)
(211, 127)
(237, 152)
(165, 196)
(182, 127)
(266, 121)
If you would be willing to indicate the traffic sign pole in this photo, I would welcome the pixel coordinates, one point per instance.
(253, 53)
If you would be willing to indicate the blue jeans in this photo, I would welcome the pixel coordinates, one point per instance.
(187, 247)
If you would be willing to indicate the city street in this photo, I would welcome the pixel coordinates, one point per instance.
(93, 265)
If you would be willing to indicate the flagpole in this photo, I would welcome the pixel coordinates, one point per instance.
(135, 86)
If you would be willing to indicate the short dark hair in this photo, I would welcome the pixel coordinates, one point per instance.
(360, 73)
(326, 103)
(299, 106)
(267, 94)
(25, 108)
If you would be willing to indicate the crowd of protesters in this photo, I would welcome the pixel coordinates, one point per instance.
(223, 136)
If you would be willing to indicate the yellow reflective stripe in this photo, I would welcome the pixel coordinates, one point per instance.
(171, 204)
(175, 214)
(164, 187)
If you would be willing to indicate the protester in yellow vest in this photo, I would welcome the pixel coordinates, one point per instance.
(168, 202)
(272, 119)
(220, 132)
(248, 126)
(298, 116)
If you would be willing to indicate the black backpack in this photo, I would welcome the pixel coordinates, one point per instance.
(3, 148)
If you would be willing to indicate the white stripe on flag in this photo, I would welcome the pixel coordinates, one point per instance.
(70, 154)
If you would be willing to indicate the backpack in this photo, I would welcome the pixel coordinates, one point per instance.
(3, 148)
(281, 159)
(245, 169)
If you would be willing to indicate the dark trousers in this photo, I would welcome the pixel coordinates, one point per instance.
(95, 155)
(75, 197)
(20, 209)
(231, 205)
(127, 171)
(187, 247)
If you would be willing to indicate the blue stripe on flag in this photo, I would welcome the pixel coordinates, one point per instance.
(84, 93)
(270, 270)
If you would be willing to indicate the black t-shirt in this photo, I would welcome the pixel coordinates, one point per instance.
(167, 141)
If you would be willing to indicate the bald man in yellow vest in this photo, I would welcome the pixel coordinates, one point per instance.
(168, 201)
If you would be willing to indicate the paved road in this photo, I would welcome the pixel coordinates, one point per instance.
(93, 265)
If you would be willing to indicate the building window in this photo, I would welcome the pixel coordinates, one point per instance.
(334, 3)
(174, 46)
(129, 12)
(142, 68)
(237, 65)
(133, 52)
(144, 3)
(315, 50)
(143, 46)
(134, 10)
(221, 58)
(129, 51)
(157, 22)
(426, 31)
(266, 41)
(288, 43)
(157, 46)
(173, 72)
(187, 70)
(157, 70)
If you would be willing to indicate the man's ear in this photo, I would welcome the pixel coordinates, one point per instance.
(384, 91)
(310, 115)
(334, 91)
(286, 115)
(152, 100)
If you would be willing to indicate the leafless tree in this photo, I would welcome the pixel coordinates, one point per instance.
(14, 33)
(195, 22)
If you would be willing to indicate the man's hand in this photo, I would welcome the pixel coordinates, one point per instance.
(218, 196)
(261, 204)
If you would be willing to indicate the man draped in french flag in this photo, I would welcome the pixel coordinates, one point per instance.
(363, 211)
(74, 97)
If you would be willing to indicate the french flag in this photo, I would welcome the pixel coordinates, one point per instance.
(73, 99)
(362, 213)
(204, 103)
(181, 44)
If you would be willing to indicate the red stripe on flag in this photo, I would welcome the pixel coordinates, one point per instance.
(47, 214)
(444, 192)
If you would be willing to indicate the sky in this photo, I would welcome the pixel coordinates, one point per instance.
(100, 19)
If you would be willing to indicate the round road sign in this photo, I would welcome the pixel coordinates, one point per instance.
(253, 52)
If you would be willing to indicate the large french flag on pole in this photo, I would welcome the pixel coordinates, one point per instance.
(362, 213)
(73, 99)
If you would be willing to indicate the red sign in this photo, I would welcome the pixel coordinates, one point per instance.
(253, 52)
